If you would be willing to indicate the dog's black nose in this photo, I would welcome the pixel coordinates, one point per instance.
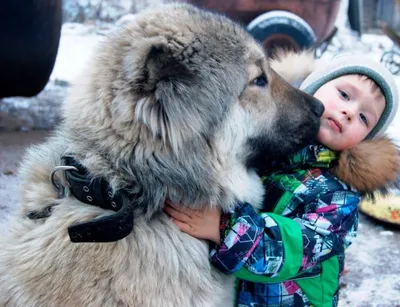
(317, 107)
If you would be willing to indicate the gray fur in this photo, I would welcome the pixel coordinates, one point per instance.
(168, 107)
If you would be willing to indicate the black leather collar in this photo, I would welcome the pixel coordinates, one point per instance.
(96, 191)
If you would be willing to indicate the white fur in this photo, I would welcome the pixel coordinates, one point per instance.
(244, 184)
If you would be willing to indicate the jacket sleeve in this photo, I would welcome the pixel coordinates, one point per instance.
(268, 244)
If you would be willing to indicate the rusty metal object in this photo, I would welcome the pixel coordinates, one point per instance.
(319, 14)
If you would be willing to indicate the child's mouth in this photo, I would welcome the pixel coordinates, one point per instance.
(335, 125)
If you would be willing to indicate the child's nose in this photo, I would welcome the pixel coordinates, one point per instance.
(349, 114)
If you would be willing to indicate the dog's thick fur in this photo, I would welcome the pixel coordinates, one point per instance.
(179, 103)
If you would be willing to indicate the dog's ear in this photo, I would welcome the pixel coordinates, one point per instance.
(163, 63)
(170, 101)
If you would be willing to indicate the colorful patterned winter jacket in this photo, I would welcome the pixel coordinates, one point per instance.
(292, 253)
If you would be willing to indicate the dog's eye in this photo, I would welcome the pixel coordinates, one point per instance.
(261, 81)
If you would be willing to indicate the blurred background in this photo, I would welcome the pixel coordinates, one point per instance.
(45, 44)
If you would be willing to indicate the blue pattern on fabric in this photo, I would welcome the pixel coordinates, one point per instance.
(325, 209)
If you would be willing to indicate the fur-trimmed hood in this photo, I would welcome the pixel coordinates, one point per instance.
(373, 165)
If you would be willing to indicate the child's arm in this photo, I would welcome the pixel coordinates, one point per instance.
(261, 243)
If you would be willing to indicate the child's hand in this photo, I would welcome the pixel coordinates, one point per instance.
(201, 224)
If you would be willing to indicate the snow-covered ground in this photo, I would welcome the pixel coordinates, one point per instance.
(77, 45)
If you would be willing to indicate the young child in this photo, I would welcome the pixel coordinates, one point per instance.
(292, 253)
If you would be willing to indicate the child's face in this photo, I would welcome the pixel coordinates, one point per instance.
(353, 107)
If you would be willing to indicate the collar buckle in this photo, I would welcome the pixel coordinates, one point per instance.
(57, 182)
(95, 191)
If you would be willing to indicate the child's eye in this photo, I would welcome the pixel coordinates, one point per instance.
(344, 95)
(364, 118)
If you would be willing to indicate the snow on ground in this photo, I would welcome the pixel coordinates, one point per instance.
(77, 44)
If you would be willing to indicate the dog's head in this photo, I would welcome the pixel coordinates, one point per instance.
(176, 80)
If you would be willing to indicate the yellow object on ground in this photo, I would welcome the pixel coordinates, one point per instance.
(384, 208)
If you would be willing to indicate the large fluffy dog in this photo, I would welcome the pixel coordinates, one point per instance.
(179, 103)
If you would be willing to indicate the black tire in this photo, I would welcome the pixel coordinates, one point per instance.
(29, 38)
(283, 29)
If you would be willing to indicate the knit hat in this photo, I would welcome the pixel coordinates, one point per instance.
(361, 65)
